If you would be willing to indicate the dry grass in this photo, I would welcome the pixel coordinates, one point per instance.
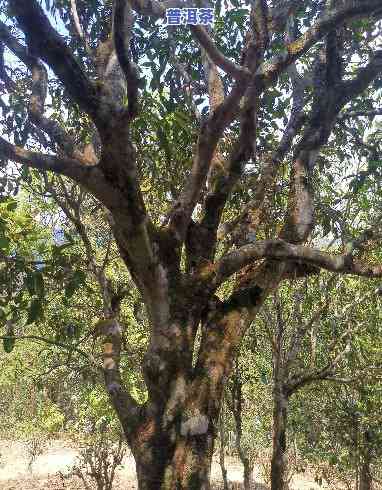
(14, 473)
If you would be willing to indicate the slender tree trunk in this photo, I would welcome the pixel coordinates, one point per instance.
(222, 448)
(365, 477)
(248, 468)
(237, 407)
(279, 464)
(365, 480)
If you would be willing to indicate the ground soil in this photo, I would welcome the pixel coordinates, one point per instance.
(59, 456)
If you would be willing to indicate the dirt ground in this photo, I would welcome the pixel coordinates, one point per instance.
(60, 456)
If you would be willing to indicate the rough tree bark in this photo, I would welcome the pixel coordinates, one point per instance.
(222, 436)
(365, 480)
(279, 480)
(172, 435)
(279, 468)
(365, 474)
(237, 410)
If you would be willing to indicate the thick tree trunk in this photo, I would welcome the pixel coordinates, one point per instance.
(279, 464)
(170, 461)
(174, 440)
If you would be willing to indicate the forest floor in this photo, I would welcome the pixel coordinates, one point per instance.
(59, 456)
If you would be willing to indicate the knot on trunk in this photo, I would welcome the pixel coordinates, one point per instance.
(195, 425)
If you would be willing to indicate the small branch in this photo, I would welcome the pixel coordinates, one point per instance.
(13, 45)
(300, 332)
(123, 22)
(216, 56)
(79, 30)
(371, 113)
(278, 16)
(39, 90)
(190, 85)
(48, 45)
(5, 258)
(126, 407)
(9, 83)
(363, 78)
(209, 136)
(270, 167)
(156, 9)
(281, 250)
(372, 234)
(60, 165)
(71, 348)
(298, 381)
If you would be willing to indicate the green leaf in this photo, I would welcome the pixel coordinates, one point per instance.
(25, 174)
(29, 283)
(79, 277)
(76, 281)
(70, 289)
(8, 344)
(35, 311)
(58, 249)
(34, 282)
(263, 378)
(4, 242)
(69, 237)
(3, 314)
(12, 206)
(39, 283)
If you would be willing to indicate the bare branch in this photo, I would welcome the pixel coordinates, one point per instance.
(370, 114)
(68, 347)
(281, 250)
(216, 56)
(36, 105)
(65, 166)
(48, 45)
(363, 78)
(79, 30)
(123, 22)
(271, 69)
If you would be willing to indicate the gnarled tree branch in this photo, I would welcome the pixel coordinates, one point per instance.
(45, 43)
(66, 166)
(123, 22)
(281, 250)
